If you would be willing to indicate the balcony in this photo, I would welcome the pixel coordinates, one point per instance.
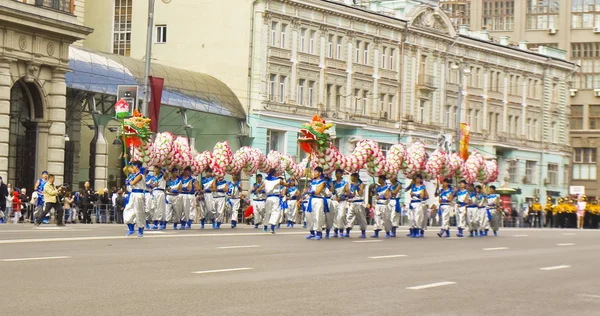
(308, 59)
(388, 74)
(65, 6)
(335, 64)
(362, 69)
(426, 83)
(280, 53)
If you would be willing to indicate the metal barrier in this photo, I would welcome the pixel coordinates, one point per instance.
(103, 213)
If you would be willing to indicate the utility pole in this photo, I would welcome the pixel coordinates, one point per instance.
(144, 107)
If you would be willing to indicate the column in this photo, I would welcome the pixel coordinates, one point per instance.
(322, 51)
(349, 61)
(400, 84)
(505, 103)
(376, 59)
(43, 135)
(57, 103)
(100, 145)
(5, 85)
(442, 99)
(486, 87)
(294, 60)
(414, 80)
(524, 105)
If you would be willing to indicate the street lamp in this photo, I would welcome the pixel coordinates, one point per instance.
(463, 71)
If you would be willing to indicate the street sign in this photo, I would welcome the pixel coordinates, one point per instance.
(129, 94)
(577, 190)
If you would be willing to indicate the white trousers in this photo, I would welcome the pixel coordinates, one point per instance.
(272, 211)
(473, 218)
(383, 218)
(188, 207)
(484, 221)
(160, 206)
(315, 220)
(17, 216)
(174, 209)
(339, 221)
(496, 219)
(149, 205)
(395, 216)
(219, 208)
(290, 212)
(445, 210)
(209, 207)
(356, 212)
(418, 215)
(461, 217)
(235, 208)
(259, 211)
(134, 212)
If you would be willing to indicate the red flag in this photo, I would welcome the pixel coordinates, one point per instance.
(156, 86)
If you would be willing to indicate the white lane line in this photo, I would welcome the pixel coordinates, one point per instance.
(237, 247)
(222, 270)
(566, 244)
(365, 241)
(44, 230)
(385, 257)
(589, 296)
(555, 268)
(497, 248)
(520, 235)
(153, 232)
(569, 234)
(34, 259)
(428, 286)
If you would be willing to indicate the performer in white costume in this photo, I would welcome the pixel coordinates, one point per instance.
(472, 212)
(383, 218)
(233, 193)
(174, 208)
(341, 191)
(148, 198)
(209, 205)
(292, 196)
(418, 207)
(188, 200)
(258, 203)
(273, 204)
(445, 195)
(159, 199)
(330, 213)
(219, 190)
(317, 206)
(134, 210)
(484, 220)
(304, 205)
(462, 199)
(395, 206)
(494, 215)
(356, 206)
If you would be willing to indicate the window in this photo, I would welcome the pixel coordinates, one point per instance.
(510, 124)
(303, 40)
(329, 96)
(275, 140)
(594, 117)
(553, 133)
(382, 102)
(391, 65)
(338, 49)
(576, 117)
(358, 52)
(513, 171)
(469, 117)
(553, 174)
(330, 47)
(364, 100)
(585, 14)
(459, 11)
(338, 97)
(161, 34)
(366, 54)
(421, 111)
(447, 117)
(122, 27)
(301, 84)
(282, 41)
(272, 87)
(587, 55)
(530, 168)
(566, 174)
(542, 14)
(311, 42)
(528, 128)
(356, 100)
(311, 94)
(584, 164)
(498, 15)
(390, 105)
(273, 33)
(385, 148)
(423, 67)
(475, 127)
(282, 94)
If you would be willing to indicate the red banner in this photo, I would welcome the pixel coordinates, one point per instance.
(156, 88)
(465, 134)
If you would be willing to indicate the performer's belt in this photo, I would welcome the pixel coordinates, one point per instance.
(357, 201)
(472, 206)
(415, 201)
(382, 202)
(207, 191)
(137, 191)
(273, 195)
(258, 200)
(293, 198)
(218, 197)
(461, 204)
(187, 193)
(159, 189)
(444, 204)
(325, 204)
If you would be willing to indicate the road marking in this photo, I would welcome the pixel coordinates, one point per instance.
(222, 270)
(385, 257)
(428, 286)
(569, 234)
(44, 230)
(589, 296)
(497, 248)
(365, 241)
(520, 235)
(34, 259)
(237, 247)
(554, 268)
(152, 232)
(566, 244)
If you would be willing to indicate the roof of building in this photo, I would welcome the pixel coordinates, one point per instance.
(101, 73)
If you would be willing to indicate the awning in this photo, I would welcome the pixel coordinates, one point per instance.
(101, 73)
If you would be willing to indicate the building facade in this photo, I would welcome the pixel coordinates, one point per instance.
(570, 25)
(34, 54)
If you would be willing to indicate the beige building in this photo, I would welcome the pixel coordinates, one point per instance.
(34, 51)
(570, 25)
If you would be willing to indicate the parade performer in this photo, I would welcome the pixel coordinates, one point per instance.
(548, 211)
(535, 213)
(39, 189)
(159, 199)
(383, 218)
(330, 214)
(258, 203)
(209, 204)
(571, 209)
(484, 220)
(581, 209)
(473, 212)
(188, 199)
(148, 198)
(317, 206)
(445, 195)
(418, 207)
(219, 190)
(292, 195)
(395, 206)
(273, 204)
(462, 199)
(174, 207)
(356, 208)
(234, 190)
(341, 191)
(134, 213)
(595, 211)
(495, 214)
(304, 206)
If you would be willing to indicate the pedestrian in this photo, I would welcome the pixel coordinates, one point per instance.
(446, 196)
(234, 194)
(535, 210)
(188, 199)
(88, 196)
(3, 195)
(418, 207)
(341, 191)
(494, 213)
(120, 206)
(134, 213)
(174, 208)
(159, 199)
(25, 206)
(383, 217)
(209, 205)
(68, 207)
(219, 190)
(9, 202)
(581, 209)
(16, 206)
(317, 206)
(396, 208)
(258, 203)
(51, 200)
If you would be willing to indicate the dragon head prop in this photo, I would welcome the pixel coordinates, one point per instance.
(314, 135)
(136, 130)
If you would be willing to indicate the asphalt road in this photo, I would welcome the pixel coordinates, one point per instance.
(96, 270)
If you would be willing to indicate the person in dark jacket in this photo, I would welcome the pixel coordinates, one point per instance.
(88, 197)
(3, 195)
(119, 206)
